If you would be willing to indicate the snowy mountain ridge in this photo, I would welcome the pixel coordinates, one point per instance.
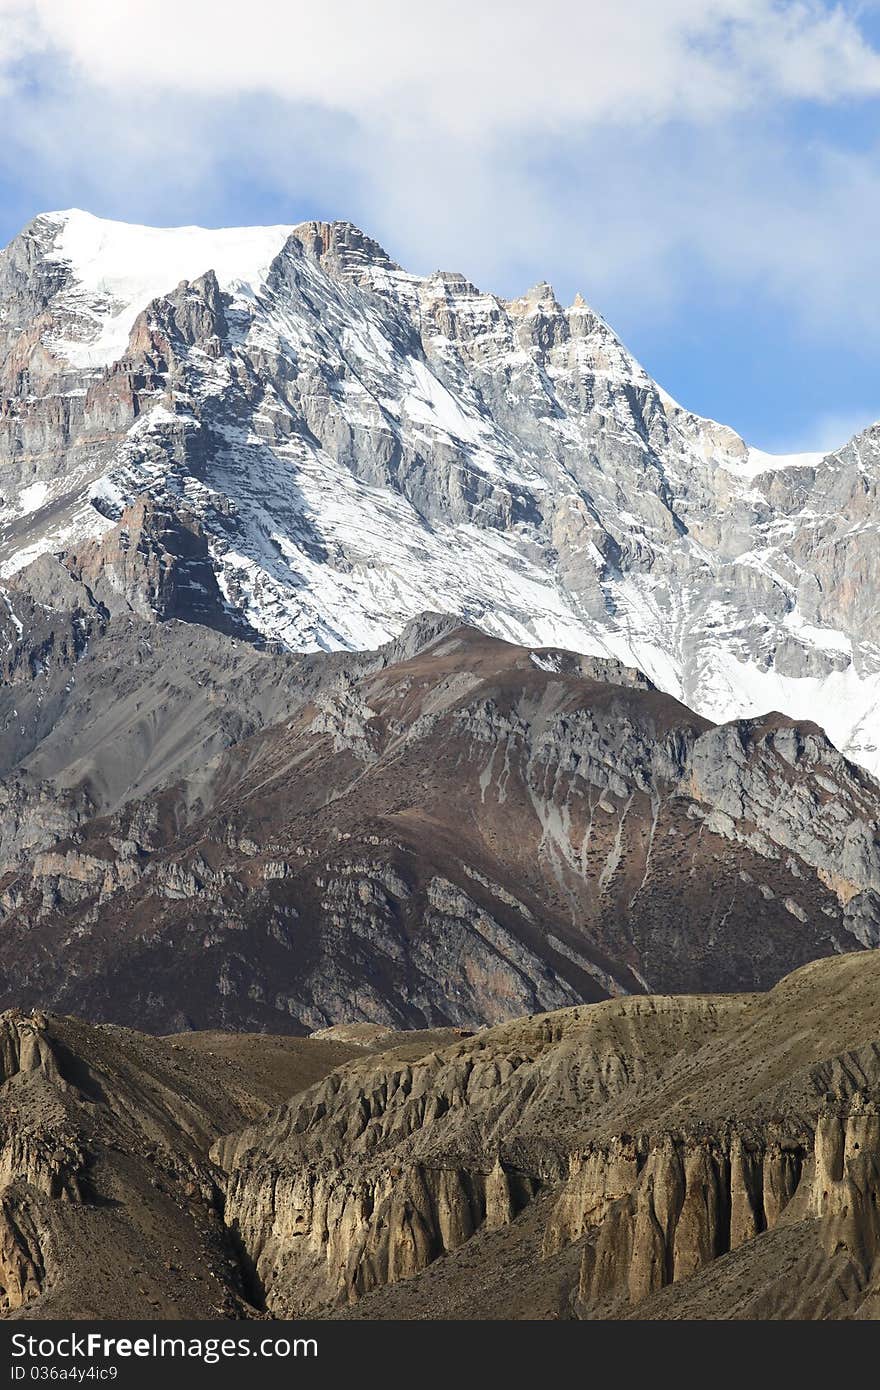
(361, 444)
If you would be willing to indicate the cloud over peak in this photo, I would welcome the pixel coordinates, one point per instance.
(495, 67)
(659, 155)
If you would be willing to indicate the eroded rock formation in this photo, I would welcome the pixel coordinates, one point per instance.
(653, 1156)
(387, 1173)
(109, 1205)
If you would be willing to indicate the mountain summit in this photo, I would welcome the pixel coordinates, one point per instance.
(354, 444)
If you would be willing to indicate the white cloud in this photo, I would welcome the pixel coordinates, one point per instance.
(482, 68)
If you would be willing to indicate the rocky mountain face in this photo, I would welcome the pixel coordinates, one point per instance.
(452, 830)
(349, 445)
(390, 663)
(652, 1157)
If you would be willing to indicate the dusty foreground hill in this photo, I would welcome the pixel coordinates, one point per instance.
(653, 1156)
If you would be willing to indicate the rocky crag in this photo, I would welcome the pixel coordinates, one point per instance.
(663, 1157)
(109, 1205)
(660, 1156)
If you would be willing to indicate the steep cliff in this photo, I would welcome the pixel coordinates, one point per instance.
(659, 1157)
(109, 1205)
(652, 1138)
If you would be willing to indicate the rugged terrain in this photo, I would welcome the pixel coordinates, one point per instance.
(661, 1156)
(361, 444)
(107, 1205)
(224, 453)
(447, 743)
(201, 832)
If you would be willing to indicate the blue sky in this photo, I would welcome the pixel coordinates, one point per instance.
(705, 172)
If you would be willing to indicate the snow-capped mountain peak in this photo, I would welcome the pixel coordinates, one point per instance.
(116, 269)
(360, 443)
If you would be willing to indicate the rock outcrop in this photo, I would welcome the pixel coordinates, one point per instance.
(155, 562)
(659, 1156)
(385, 1174)
(109, 1204)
